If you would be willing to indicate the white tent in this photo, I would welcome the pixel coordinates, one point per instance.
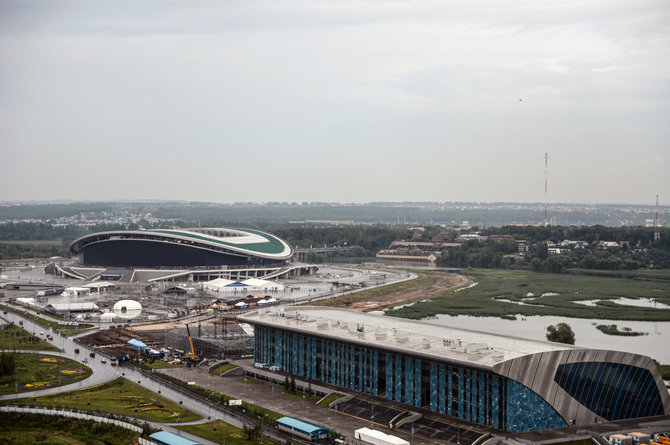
(258, 284)
(223, 285)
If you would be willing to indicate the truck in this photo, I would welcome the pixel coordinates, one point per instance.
(152, 353)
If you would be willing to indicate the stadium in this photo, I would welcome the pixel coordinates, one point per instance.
(505, 383)
(198, 254)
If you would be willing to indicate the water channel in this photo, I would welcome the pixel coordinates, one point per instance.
(656, 344)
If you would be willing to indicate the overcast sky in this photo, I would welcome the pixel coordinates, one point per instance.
(349, 101)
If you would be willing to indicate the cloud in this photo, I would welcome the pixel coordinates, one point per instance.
(181, 100)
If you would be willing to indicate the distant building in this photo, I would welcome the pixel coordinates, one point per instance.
(608, 244)
(500, 238)
(442, 238)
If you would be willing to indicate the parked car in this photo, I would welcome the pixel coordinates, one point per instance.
(103, 361)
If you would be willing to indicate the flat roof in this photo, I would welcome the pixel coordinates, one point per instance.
(301, 425)
(167, 437)
(417, 338)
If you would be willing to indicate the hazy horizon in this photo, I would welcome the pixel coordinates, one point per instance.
(349, 102)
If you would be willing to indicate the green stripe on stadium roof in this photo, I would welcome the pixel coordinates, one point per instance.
(273, 246)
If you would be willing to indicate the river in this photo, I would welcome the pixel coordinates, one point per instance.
(656, 344)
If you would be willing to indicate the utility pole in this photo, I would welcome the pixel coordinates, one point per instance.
(546, 168)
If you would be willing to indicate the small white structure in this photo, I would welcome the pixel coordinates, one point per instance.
(127, 309)
(75, 291)
(100, 286)
(62, 308)
(377, 437)
(107, 317)
(256, 284)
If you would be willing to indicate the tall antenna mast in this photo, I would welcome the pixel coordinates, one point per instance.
(657, 231)
(546, 168)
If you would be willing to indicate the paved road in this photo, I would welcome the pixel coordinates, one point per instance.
(104, 372)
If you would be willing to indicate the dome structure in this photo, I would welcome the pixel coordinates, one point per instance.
(127, 309)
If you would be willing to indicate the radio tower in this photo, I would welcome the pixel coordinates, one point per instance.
(546, 167)
(657, 229)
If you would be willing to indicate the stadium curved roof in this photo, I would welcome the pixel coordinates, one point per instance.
(232, 241)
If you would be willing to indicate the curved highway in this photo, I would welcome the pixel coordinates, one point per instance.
(104, 372)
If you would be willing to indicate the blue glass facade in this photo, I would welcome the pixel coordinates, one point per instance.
(482, 397)
(611, 390)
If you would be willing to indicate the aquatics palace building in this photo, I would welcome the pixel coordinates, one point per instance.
(197, 254)
(505, 383)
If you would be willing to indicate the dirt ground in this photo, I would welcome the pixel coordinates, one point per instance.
(447, 282)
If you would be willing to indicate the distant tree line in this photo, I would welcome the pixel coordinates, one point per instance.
(639, 251)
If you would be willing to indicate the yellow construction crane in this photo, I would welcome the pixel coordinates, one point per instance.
(191, 358)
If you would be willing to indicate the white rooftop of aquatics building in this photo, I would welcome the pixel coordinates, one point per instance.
(418, 338)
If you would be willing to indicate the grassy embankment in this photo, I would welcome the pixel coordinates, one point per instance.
(29, 429)
(612, 329)
(119, 396)
(424, 279)
(53, 323)
(222, 369)
(549, 294)
(40, 371)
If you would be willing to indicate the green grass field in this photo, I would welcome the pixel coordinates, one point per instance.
(549, 294)
(159, 364)
(223, 433)
(119, 396)
(14, 337)
(40, 371)
(29, 429)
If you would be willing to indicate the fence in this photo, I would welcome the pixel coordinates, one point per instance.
(70, 413)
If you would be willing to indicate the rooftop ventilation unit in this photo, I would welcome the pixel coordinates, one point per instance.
(380, 334)
(402, 336)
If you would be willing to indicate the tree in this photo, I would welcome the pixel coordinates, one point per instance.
(561, 333)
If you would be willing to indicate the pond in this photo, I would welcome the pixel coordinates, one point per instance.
(625, 301)
(656, 344)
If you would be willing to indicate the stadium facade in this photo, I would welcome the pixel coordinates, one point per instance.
(183, 248)
(167, 255)
(505, 383)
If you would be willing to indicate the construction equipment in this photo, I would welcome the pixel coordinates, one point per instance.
(191, 358)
